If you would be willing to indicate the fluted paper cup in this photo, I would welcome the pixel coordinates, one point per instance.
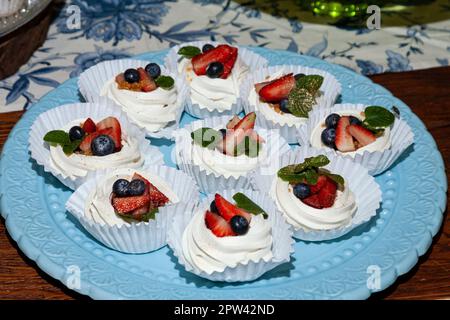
(92, 82)
(9, 7)
(330, 89)
(212, 181)
(366, 191)
(57, 118)
(247, 270)
(252, 60)
(136, 237)
(376, 162)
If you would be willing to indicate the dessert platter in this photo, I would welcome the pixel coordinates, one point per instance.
(212, 171)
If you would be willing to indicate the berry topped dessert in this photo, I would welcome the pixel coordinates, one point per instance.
(226, 234)
(144, 79)
(312, 197)
(353, 131)
(214, 74)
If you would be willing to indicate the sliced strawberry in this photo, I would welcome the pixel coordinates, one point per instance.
(327, 195)
(278, 89)
(229, 64)
(236, 136)
(129, 204)
(313, 201)
(256, 137)
(89, 126)
(261, 85)
(221, 53)
(321, 181)
(116, 133)
(344, 141)
(233, 122)
(247, 122)
(85, 145)
(218, 225)
(228, 210)
(361, 134)
(157, 198)
(147, 83)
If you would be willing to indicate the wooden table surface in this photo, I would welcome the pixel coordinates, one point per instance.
(427, 92)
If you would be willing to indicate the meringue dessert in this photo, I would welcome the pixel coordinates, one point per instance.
(226, 234)
(311, 197)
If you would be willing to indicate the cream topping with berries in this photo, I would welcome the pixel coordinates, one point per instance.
(301, 215)
(209, 253)
(78, 165)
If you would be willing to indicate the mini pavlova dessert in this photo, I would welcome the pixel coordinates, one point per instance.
(371, 135)
(233, 236)
(219, 152)
(129, 210)
(214, 73)
(322, 196)
(149, 94)
(74, 141)
(282, 96)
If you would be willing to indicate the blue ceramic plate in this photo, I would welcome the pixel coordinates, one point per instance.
(32, 203)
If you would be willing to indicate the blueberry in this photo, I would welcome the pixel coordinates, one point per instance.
(153, 70)
(239, 224)
(207, 47)
(223, 132)
(131, 76)
(136, 187)
(214, 70)
(355, 120)
(302, 190)
(283, 106)
(332, 120)
(102, 145)
(76, 133)
(213, 207)
(299, 75)
(328, 137)
(120, 188)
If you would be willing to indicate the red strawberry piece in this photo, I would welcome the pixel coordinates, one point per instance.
(228, 210)
(261, 85)
(237, 135)
(129, 204)
(116, 133)
(321, 181)
(361, 134)
(218, 225)
(233, 122)
(344, 141)
(229, 64)
(256, 137)
(221, 53)
(157, 198)
(313, 201)
(139, 212)
(146, 83)
(327, 195)
(85, 145)
(89, 126)
(278, 89)
(247, 122)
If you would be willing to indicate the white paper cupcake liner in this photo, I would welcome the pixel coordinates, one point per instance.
(59, 117)
(9, 7)
(367, 192)
(210, 181)
(376, 162)
(252, 60)
(140, 237)
(92, 81)
(331, 89)
(282, 245)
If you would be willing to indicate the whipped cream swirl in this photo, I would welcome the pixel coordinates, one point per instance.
(300, 215)
(98, 204)
(380, 144)
(150, 110)
(214, 94)
(209, 253)
(78, 165)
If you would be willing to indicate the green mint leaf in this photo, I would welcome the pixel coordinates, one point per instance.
(244, 202)
(300, 102)
(71, 147)
(149, 215)
(189, 51)
(288, 174)
(335, 177)
(296, 173)
(165, 82)
(311, 176)
(312, 83)
(57, 137)
(206, 137)
(378, 117)
(312, 162)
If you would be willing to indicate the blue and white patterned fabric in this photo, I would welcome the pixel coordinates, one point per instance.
(113, 29)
